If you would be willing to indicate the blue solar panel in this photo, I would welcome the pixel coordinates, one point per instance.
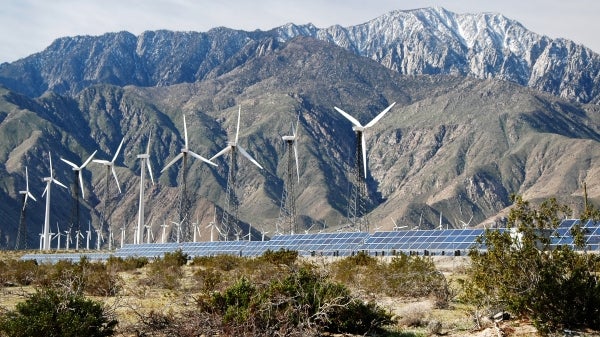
(446, 241)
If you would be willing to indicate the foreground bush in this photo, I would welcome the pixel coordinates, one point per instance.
(51, 313)
(301, 302)
(409, 276)
(556, 288)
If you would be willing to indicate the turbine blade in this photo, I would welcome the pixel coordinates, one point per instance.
(88, 160)
(50, 156)
(59, 183)
(118, 150)
(237, 130)
(348, 117)
(378, 117)
(225, 150)
(30, 196)
(148, 145)
(202, 158)
(26, 180)
(149, 170)
(296, 157)
(81, 184)
(101, 161)
(245, 154)
(172, 161)
(364, 152)
(112, 168)
(185, 132)
(70, 163)
(45, 189)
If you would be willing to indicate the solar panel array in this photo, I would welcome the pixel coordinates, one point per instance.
(422, 242)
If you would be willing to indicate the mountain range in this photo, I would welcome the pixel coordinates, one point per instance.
(484, 109)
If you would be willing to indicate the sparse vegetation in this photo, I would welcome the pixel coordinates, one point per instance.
(57, 313)
(519, 272)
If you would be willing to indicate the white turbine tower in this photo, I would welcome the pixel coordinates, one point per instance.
(110, 167)
(359, 197)
(145, 162)
(77, 184)
(183, 205)
(21, 241)
(287, 211)
(231, 198)
(49, 180)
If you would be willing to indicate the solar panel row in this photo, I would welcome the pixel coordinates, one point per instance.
(446, 242)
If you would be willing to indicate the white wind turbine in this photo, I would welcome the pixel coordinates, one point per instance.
(145, 161)
(110, 167)
(359, 129)
(212, 226)
(287, 212)
(21, 241)
(231, 197)
(359, 193)
(78, 183)
(49, 180)
(164, 232)
(184, 155)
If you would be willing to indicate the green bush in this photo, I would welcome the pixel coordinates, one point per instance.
(207, 279)
(118, 264)
(221, 262)
(280, 257)
(556, 288)
(176, 258)
(166, 272)
(51, 313)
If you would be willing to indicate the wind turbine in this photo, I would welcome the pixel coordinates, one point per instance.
(184, 202)
(57, 236)
(287, 212)
(122, 236)
(230, 196)
(164, 232)
(145, 161)
(77, 183)
(110, 167)
(49, 180)
(88, 236)
(21, 242)
(149, 234)
(359, 198)
(213, 225)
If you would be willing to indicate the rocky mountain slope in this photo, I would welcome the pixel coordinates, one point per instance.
(454, 145)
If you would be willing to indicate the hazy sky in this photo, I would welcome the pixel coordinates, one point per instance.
(29, 26)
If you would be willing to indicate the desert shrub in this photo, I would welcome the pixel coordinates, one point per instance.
(221, 262)
(280, 257)
(129, 263)
(54, 313)
(99, 280)
(234, 303)
(413, 276)
(300, 302)
(207, 279)
(353, 270)
(18, 272)
(404, 275)
(166, 272)
(556, 288)
(176, 258)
